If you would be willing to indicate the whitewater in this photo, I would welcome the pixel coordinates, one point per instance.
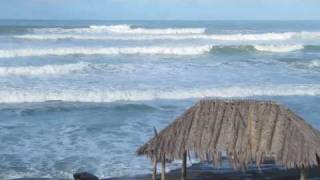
(164, 35)
(83, 95)
(108, 95)
(151, 50)
(189, 50)
(44, 70)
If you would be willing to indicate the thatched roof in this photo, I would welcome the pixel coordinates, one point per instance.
(246, 131)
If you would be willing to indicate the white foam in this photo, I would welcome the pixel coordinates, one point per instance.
(308, 35)
(252, 37)
(314, 63)
(43, 70)
(122, 29)
(183, 50)
(95, 95)
(108, 37)
(127, 29)
(220, 37)
(125, 32)
(278, 48)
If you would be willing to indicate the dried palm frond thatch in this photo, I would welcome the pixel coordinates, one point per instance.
(246, 130)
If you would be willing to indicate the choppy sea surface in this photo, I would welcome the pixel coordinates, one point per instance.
(84, 95)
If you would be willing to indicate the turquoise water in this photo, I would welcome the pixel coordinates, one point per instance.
(84, 95)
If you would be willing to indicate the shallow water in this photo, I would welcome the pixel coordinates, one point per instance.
(85, 94)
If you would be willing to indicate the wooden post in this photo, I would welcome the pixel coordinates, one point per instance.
(184, 167)
(304, 173)
(154, 172)
(163, 167)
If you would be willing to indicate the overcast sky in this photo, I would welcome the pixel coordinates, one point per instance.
(161, 9)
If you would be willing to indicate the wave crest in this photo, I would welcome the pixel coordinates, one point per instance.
(184, 50)
(21, 96)
(122, 29)
(278, 48)
(127, 29)
(168, 36)
(306, 64)
(314, 64)
(43, 70)
(156, 50)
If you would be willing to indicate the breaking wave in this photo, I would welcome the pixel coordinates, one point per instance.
(231, 37)
(314, 64)
(127, 29)
(184, 50)
(306, 64)
(236, 49)
(20, 96)
(122, 29)
(278, 48)
(43, 70)
(252, 37)
(166, 34)
(157, 50)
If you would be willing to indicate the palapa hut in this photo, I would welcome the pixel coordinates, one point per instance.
(247, 131)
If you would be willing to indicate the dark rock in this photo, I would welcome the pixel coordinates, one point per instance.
(84, 176)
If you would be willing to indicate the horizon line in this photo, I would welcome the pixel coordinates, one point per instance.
(7, 19)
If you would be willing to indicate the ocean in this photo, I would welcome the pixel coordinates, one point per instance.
(84, 95)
